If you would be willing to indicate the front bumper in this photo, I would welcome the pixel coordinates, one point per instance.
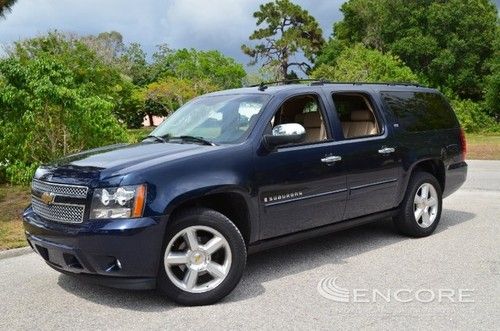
(122, 253)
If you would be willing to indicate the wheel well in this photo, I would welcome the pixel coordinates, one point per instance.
(434, 167)
(231, 205)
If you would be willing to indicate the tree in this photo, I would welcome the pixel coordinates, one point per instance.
(105, 79)
(163, 97)
(6, 6)
(47, 112)
(448, 42)
(361, 64)
(192, 64)
(289, 30)
(134, 64)
(108, 46)
(263, 74)
(492, 82)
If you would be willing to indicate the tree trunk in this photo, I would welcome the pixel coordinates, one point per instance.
(150, 118)
(284, 70)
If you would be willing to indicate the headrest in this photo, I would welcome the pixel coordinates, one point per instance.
(312, 120)
(299, 118)
(361, 116)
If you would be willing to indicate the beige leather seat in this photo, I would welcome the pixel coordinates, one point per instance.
(315, 128)
(362, 123)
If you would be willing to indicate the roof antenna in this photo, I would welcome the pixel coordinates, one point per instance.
(262, 86)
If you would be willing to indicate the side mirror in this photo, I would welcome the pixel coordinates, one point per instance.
(283, 134)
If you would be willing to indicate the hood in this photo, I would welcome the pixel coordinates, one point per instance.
(93, 163)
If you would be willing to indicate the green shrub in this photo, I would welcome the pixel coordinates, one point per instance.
(20, 173)
(136, 135)
(51, 107)
(473, 118)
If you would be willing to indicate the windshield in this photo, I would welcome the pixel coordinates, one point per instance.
(220, 119)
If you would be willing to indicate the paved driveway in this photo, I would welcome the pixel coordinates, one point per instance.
(279, 290)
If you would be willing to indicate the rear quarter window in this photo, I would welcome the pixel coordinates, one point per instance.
(420, 111)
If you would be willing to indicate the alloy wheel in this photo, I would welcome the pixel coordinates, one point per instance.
(425, 205)
(197, 259)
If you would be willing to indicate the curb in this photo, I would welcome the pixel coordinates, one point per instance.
(15, 252)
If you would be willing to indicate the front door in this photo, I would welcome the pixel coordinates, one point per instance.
(298, 186)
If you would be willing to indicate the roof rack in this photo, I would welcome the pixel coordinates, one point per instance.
(264, 85)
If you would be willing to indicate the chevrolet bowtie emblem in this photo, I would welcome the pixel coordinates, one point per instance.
(48, 198)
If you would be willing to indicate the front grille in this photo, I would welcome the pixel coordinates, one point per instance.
(56, 210)
(60, 189)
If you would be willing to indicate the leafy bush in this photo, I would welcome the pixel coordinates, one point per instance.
(136, 135)
(492, 81)
(52, 104)
(473, 118)
(20, 173)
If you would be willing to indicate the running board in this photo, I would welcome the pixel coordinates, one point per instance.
(262, 245)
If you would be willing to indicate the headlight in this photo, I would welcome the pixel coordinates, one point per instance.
(118, 202)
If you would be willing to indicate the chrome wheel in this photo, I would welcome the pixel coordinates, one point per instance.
(197, 259)
(425, 205)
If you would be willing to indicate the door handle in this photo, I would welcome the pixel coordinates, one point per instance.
(331, 159)
(387, 150)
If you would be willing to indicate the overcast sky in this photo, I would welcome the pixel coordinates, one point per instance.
(204, 24)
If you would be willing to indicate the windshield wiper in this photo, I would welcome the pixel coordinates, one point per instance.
(192, 138)
(156, 138)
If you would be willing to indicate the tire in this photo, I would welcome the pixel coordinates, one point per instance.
(414, 204)
(217, 270)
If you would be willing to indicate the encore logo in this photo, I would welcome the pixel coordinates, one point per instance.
(329, 289)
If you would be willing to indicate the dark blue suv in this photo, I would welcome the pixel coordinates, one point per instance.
(242, 170)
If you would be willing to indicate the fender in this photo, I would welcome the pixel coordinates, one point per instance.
(406, 175)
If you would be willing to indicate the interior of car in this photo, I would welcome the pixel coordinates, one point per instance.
(356, 115)
(354, 110)
(305, 111)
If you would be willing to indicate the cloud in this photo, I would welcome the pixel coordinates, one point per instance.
(203, 24)
(137, 21)
(226, 24)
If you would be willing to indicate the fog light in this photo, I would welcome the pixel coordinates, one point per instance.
(116, 265)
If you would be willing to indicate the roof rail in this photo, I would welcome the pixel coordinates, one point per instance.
(381, 83)
(263, 85)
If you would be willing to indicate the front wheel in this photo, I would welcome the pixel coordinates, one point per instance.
(420, 210)
(204, 258)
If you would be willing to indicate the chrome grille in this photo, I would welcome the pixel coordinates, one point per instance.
(60, 189)
(58, 212)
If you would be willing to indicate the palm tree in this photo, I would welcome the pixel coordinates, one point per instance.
(6, 6)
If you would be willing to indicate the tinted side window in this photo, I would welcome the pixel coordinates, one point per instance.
(420, 111)
(306, 111)
(356, 115)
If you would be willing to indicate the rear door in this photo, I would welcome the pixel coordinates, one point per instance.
(369, 155)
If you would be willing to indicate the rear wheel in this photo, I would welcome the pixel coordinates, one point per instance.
(204, 258)
(420, 210)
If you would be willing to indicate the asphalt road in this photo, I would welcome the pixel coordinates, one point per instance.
(280, 287)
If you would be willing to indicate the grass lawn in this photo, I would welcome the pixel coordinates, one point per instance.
(483, 147)
(13, 199)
